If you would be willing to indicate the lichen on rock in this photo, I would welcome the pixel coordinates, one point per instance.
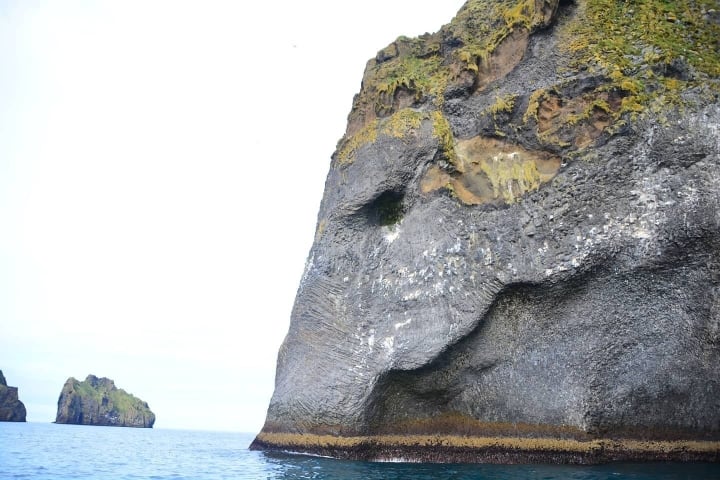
(516, 258)
(489, 170)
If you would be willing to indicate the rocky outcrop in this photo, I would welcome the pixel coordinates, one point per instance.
(11, 408)
(97, 401)
(517, 252)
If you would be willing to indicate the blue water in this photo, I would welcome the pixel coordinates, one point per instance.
(48, 451)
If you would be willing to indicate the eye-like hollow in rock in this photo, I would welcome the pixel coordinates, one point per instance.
(387, 209)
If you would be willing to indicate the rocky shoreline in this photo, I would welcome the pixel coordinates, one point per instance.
(498, 450)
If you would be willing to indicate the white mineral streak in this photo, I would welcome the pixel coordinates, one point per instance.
(403, 324)
(391, 234)
(308, 266)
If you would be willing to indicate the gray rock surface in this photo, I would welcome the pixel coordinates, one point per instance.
(550, 271)
(11, 408)
(97, 401)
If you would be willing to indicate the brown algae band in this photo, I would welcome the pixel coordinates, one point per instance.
(476, 449)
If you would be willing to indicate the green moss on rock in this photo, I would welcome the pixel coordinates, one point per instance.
(417, 72)
(97, 401)
(648, 48)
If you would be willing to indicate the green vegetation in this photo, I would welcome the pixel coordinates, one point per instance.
(534, 105)
(418, 76)
(443, 132)
(416, 72)
(640, 43)
(417, 66)
(483, 25)
(511, 177)
(612, 34)
(634, 55)
(504, 104)
(401, 123)
(118, 400)
(349, 146)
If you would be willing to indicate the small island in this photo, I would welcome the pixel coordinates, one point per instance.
(97, 401)
(11, 408)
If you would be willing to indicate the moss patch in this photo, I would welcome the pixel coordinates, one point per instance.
(640, 55)
(443, 132)
(620, 35)
(483, 26)
(414, 72)
(349, 145)
(402, 124)
(575, 121)
(647, 48)
(116, 399)
(490, 170)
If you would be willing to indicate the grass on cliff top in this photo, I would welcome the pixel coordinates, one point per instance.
(399, 125)
(121, 400)
(637, 42)
(483, 25)
(421, 70)
(417, 65)
(617, 35)
(649, 50)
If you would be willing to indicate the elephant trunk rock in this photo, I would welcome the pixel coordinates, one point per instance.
(516, 256)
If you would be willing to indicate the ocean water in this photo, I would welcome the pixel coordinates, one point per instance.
(48, 451)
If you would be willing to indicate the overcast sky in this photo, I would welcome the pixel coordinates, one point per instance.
(161, 168)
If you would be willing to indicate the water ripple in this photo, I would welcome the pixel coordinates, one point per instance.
(47, 451)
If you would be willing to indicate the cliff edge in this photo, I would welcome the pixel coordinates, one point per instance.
(11, 408)
(97, 401)
(516, 256)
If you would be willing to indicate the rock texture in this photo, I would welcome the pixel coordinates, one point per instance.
(517, 252)
(97, 401)
(11, 408)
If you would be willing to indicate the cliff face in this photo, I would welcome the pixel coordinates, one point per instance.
(516, 256)
(97, 401)
(11, 408)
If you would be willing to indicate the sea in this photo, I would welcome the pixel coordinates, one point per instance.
(50, 451)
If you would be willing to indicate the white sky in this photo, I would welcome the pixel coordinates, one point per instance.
(161, 168)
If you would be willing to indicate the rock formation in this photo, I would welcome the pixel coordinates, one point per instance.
(97, 401)
(11, 408)
(517, 255)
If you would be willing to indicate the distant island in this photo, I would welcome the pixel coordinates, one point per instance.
(11, 408)
(97, 401)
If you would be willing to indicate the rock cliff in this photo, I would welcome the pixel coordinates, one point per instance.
(517, 251)
(11, 408)
(97, 401)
